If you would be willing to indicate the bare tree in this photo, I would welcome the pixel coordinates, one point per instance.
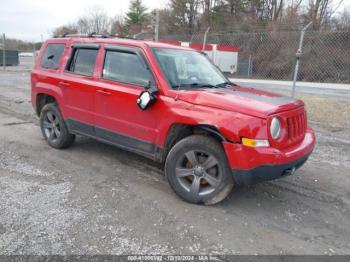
(277, 6)
(94, 21)
(65, 29)
(208, 6)
(235, 7)
(320, 11)
(184, 15)
(118, 26)
(342, 20)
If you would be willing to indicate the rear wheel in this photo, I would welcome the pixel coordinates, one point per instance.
(53, 127)
(198, 171)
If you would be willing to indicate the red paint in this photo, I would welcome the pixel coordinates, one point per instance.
(233, 115)
(242, 157)
(199, 46)
(227, 48)
(170, 42)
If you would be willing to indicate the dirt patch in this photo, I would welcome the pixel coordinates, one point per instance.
(328, 110)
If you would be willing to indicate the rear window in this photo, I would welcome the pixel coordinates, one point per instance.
(83, 61)
(52, 56)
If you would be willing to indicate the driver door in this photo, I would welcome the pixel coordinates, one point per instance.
(118, 119)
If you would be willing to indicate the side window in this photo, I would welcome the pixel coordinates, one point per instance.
(125, 67)
(83, 61)
(52, 56)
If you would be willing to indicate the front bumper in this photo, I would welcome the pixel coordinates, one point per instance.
(267, 172)
(253, 165)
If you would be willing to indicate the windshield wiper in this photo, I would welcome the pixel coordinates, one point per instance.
(203, 85)
(196, 85)
(227, 83)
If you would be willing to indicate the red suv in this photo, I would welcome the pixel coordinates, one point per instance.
(170, 104)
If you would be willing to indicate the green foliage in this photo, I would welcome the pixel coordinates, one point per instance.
(137, 13)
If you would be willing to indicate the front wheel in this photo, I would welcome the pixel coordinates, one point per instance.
(53, 127)
(198, 171)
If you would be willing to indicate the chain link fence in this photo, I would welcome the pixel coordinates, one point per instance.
(272, 55)
(265, 55)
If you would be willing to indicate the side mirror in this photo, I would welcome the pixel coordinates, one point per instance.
(145, 99)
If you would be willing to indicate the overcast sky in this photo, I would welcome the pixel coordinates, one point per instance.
(29, 19)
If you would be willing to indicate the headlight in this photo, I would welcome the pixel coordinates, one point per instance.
(275, 128)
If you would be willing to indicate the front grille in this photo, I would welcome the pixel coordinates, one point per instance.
(296, 126)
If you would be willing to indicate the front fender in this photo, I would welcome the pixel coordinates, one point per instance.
(231, 125)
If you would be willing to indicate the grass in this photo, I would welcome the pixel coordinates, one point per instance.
(328, 111)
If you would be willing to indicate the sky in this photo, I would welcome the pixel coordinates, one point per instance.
(29, 19)
(33, 19)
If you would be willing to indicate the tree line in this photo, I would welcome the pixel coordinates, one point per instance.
(188, 17)
(192, 16)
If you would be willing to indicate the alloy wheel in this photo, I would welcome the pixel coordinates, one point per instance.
(51, 125)
(198, 172)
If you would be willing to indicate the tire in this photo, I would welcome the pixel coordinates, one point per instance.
(198, 171)
(54, 128)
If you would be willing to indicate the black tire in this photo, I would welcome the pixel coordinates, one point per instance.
(54, 128)
(210, 173)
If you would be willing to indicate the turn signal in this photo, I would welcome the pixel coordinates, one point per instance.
(255, 142)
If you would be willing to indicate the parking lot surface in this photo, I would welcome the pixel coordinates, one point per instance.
(96, 199)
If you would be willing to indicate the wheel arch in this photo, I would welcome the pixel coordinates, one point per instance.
(43, 99)
(179, 131)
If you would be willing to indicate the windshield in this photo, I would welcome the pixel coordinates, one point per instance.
(187, 68)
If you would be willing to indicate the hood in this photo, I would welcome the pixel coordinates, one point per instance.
(243, 100)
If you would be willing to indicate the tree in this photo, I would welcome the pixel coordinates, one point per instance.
(184, 15)
(292, 12)
(137, 13)
(235, 7)
(95, 21)
(344, 20)
(320, 11)
(276, 9)
(65, 29)
(208, 7)
(118, 26)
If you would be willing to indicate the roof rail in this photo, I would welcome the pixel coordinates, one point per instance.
(91, 35)
(95, 35)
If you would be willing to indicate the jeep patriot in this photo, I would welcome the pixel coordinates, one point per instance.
(170, 104)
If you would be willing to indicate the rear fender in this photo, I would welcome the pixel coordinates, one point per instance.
(52, 90)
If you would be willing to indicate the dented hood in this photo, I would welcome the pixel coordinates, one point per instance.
(241, 99)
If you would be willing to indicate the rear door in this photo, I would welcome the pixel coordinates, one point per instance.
(78, 85)
(118, 119)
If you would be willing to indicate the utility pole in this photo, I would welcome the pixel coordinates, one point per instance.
(156, 27)
(298, 55)
(34, 57)
(3, 52)
(205, 38)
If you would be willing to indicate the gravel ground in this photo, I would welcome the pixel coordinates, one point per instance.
(96, 199)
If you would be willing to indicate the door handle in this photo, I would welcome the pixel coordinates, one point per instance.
(64, 84)
(102, 92)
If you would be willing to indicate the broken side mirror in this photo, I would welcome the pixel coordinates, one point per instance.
(147, 97)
